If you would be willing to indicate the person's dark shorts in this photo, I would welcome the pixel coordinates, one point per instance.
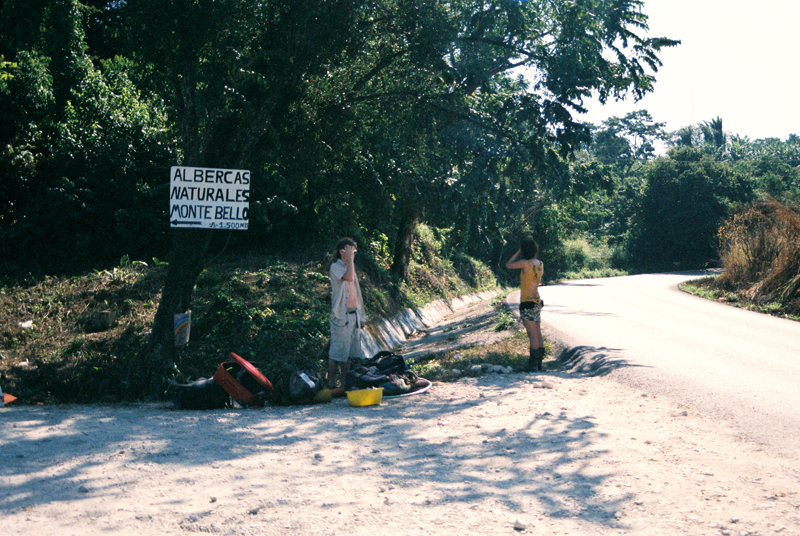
(531, 311)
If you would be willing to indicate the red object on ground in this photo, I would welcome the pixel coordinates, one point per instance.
(237, 391)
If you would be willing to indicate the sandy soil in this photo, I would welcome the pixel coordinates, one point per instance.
(549, 453)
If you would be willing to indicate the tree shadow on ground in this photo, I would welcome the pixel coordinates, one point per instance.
(450, 447)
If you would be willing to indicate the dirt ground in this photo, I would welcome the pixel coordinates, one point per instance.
(550, 453)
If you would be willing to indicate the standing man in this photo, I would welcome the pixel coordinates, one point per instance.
(347, 312)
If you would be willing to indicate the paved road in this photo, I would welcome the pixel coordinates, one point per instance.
(729, 363)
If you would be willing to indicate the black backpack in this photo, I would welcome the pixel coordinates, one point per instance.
(299, 387)
(203, 393)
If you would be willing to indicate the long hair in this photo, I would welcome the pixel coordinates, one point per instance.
(528, 248)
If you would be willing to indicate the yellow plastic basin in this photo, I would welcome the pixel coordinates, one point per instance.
(365, 397)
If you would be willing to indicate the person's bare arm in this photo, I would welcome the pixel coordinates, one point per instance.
(514, 264)
(348, 255)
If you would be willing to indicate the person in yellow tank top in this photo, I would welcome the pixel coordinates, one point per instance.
(530, 303)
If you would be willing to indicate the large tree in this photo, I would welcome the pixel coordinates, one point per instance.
(627, 142)
(686, 197)
(357, 100)
(436, 70)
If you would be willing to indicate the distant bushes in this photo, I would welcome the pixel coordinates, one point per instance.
(584, 259)
(685, 200)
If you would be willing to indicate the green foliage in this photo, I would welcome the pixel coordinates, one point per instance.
(787, 151)
(686, 197)
(357, 113)
(271, 311)
(503, 320)
(61, 358)
(586, 259)
(434, 272)
(79, 184)
(773, 177)
(708, 137)
(624, 143)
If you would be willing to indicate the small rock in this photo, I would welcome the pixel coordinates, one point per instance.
(456, 372)
(518, 525)
(254, 511)
(28, 324)
(318, 456)
(83, 489)
(213, 499)
(476, 368)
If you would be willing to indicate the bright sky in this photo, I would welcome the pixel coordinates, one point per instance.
(738, 60)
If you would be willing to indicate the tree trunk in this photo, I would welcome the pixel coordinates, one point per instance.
(186, 257)
(405, 238)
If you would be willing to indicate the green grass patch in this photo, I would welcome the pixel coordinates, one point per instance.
(713, 288)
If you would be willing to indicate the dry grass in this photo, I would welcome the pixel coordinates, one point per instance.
(760, 253)
(511, 351)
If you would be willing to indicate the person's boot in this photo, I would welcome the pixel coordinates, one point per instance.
(531, 366)
(539, 358)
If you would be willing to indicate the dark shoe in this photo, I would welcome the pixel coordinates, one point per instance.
(539, 358)
(531, 366)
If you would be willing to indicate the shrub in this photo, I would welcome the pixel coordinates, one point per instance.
(760, 252)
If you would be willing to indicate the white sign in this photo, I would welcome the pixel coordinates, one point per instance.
(209, 198)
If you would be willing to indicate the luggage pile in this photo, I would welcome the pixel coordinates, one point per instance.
(386, 370)
(237, 380)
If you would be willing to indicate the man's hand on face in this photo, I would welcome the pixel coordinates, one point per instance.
(348, 254)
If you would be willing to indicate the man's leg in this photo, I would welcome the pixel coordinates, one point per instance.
(333, 367)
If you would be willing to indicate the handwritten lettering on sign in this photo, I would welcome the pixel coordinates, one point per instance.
(209, 198)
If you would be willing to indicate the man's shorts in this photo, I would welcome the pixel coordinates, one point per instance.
(531, 311)
(346, 340)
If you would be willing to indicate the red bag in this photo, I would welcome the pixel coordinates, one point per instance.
(240, 379)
